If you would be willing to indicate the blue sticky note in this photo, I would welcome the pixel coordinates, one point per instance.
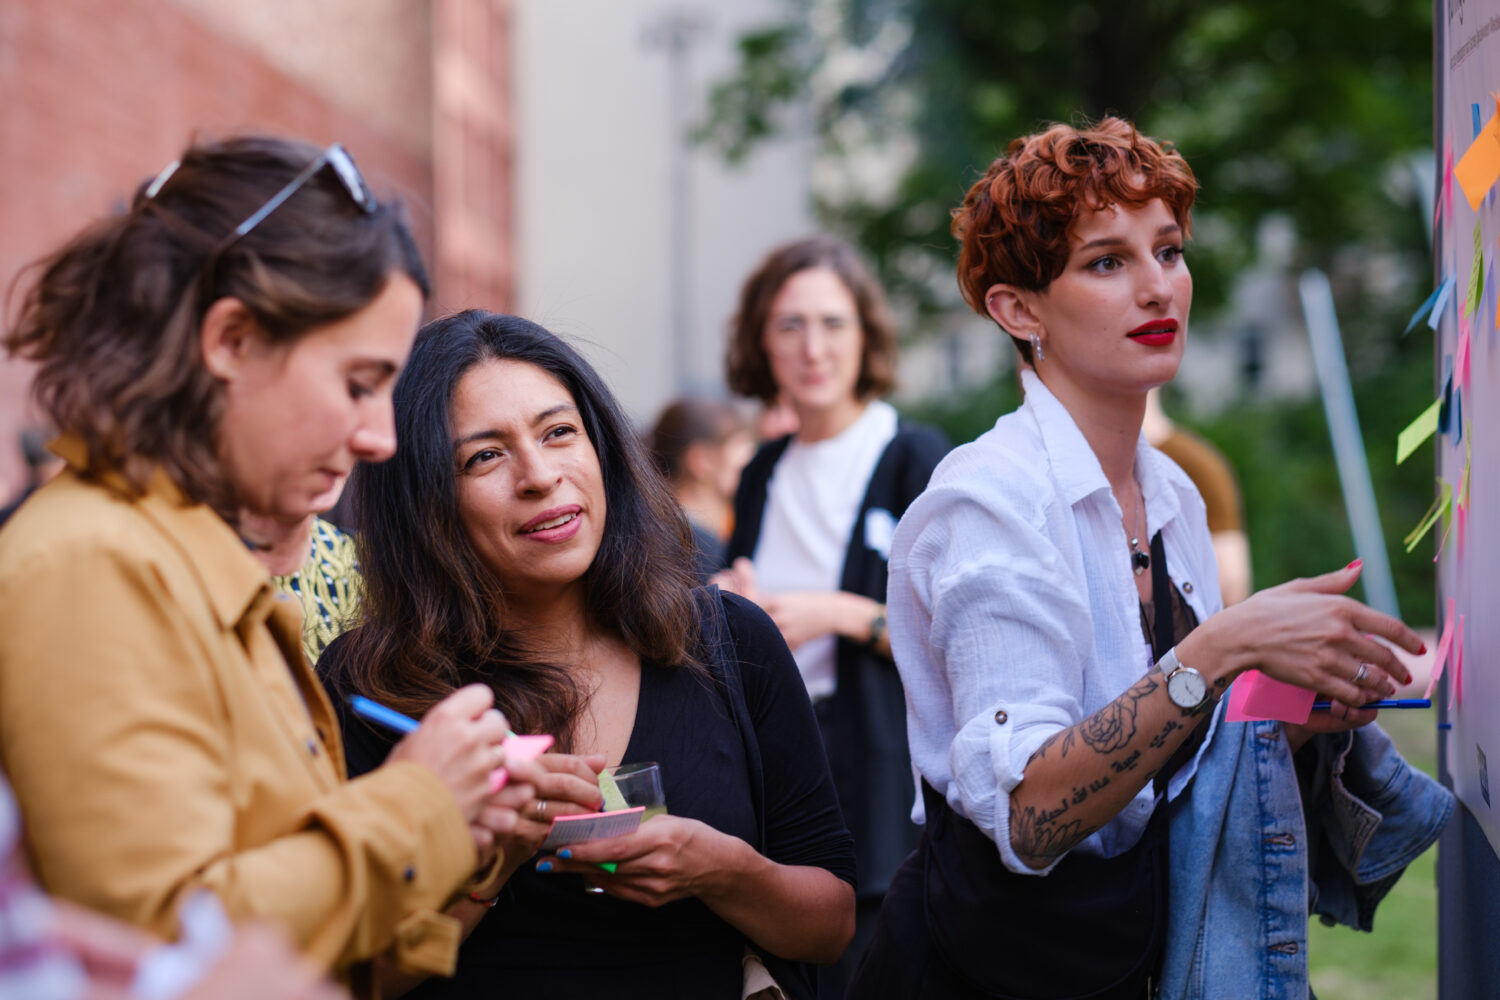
(1422, 311)
(1444, 290)
(1474, 111)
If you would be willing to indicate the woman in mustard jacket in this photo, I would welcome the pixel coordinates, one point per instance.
(225, 347)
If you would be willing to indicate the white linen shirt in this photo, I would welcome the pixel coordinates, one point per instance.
(1013, 610)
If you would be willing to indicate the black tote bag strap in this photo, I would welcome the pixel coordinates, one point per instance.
(1161, 599)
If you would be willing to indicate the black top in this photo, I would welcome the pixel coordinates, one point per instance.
(864, 721)
(548, 937)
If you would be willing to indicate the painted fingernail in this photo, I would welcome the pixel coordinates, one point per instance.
(1357, 562)
(565, 854)
(1423, 649)
(544, 866)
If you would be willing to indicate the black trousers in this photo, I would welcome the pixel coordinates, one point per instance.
(901, 962)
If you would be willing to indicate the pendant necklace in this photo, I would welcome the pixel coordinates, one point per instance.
(1139, 561)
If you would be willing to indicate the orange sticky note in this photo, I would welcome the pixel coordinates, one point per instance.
(1479, 167)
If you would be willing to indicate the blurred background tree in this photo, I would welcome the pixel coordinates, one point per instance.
(1314, 114)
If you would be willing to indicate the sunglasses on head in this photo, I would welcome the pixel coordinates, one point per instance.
(335, 156)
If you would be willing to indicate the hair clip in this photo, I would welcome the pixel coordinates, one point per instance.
(161, 179)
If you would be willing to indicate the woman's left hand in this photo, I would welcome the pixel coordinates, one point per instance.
(666, 859)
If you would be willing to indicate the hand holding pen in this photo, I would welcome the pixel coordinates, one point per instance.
(460, 739)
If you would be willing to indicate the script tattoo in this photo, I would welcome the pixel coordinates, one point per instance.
(1160, 739)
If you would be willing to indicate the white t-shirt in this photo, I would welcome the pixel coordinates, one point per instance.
(811, 503)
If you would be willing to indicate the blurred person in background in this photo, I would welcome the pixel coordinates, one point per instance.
(814, 516)
(701, 445)
(521, 539)
(1095, 826)
(41, 465)
(1214, 477)
(225, 346)
(314, 560)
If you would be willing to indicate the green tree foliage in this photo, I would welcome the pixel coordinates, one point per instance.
(1309, 109)
(1304, 108)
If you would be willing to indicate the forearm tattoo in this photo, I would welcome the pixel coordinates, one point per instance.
(1041, 835)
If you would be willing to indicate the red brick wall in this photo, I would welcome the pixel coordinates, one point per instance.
(98, 94)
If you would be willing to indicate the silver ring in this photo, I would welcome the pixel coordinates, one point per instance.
(541, 809)
(1360, 674)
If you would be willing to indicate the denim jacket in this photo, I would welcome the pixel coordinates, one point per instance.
(1241, 868)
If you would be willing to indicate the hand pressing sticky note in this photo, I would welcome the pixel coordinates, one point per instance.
(1479, 167)
(1254, 697)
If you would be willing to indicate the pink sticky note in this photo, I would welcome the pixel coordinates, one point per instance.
(1448, 179)
(1256, 697)
(1461, 363)
(1440, 656)
(518, 747)
(1456, 688)
(1462, 519)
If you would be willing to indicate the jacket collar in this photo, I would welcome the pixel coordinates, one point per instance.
(229, 573)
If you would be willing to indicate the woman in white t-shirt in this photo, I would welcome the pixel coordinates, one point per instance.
(814, 516)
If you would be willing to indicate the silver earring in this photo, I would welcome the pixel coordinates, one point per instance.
(1036, 346)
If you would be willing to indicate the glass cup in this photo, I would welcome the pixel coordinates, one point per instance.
(627, 786)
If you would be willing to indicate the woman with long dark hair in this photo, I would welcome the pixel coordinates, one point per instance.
(1095, 826)
(522, 539)
(814, 516)
(216, 356)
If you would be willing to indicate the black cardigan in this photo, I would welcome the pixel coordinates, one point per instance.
(864, 724)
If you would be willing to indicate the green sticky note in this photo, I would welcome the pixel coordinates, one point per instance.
(1418, 431)
(612, 798)
(1476, 275)
(1439, 508)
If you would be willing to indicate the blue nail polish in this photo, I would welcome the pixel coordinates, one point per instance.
(565, 854)
(544, 866)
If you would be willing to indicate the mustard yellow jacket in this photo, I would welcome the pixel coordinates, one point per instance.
(163, 732)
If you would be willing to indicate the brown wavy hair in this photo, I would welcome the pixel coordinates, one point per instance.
(1014, 224)
(748, 367)
(433, 612)
(113, 317)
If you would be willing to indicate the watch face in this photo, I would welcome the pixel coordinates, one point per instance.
(1187, 687)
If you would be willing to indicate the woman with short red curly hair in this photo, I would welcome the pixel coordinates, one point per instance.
(1055, 617)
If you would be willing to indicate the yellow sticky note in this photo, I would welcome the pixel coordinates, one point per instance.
(1479, 167)
(1419, 430)
(1439, 508)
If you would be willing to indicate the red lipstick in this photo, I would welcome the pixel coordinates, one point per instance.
(1157, 333)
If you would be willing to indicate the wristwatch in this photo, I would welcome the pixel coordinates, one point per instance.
(1185, 686)
(877, 625)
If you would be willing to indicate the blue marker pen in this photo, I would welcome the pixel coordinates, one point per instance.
(378, 713)
(1323, 706)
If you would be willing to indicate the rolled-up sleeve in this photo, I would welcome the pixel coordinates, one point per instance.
(991, 632)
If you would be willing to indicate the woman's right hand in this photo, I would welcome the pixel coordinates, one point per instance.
(1306, 632)
(459, 741)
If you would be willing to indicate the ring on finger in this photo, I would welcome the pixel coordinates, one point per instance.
(541, 809)
(1360, 674)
